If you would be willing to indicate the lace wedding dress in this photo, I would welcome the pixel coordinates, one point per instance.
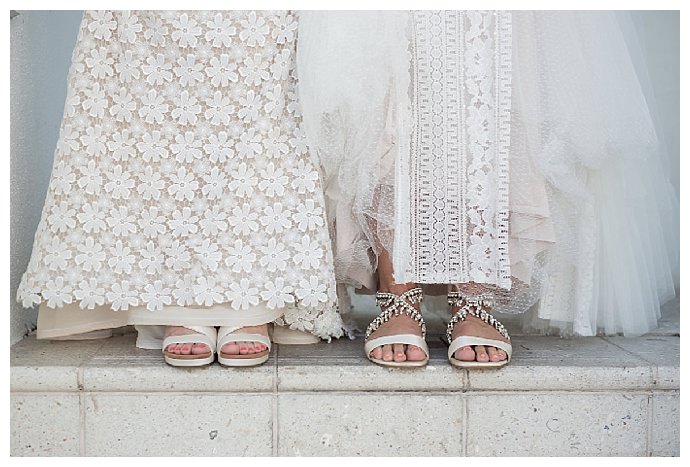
(182, 190)
(511, 151)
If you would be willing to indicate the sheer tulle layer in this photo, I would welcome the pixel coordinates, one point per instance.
(341, 83)
(593, 237)
(611, 205)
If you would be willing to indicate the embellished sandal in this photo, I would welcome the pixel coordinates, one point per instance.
(478, 307)
(395, 305)
(204, 335)
(226, 334)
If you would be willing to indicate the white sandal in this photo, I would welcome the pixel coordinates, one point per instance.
(285, 335)
(204, 335)
(225, 335)
(395, 305)
(477, 307)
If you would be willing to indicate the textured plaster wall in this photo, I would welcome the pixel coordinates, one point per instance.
(41, 46)
(659, 33)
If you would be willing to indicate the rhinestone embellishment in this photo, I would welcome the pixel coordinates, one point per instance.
(477, 306)
(396, 305)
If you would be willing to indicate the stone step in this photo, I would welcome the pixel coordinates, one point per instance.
(588, 396)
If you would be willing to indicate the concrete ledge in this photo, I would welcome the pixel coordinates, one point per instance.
(593, 396)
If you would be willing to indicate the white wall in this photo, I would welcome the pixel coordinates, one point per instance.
(653, 41)
(41, 46)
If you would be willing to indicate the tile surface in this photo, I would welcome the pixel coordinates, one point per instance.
(342, 366)
(552, 424)
(178, 425)
(669, 324)
(41, 365)
(662, 352)
(552, 363)
(120, 366)
(666, 424)
(44, 425)
(361, 424)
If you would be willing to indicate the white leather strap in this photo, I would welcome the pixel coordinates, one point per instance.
(465, 341)
(202, 335)
(225, 335)
(409, 339)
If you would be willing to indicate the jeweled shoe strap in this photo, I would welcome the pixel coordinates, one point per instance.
(476, 306)
(456, 298)
(412, 296)
(395, 305)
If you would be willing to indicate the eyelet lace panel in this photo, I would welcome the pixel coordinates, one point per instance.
(458, 169)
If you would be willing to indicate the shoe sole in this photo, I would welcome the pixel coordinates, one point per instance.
(463, 364)
(243, 360)
(188, 360)
(415, 364)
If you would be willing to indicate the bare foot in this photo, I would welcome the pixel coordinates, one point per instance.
(401, 324)
(473, 326)
(247, 348)
(186, 348)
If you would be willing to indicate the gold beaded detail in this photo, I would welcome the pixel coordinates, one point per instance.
(477, 306)
(396, 305)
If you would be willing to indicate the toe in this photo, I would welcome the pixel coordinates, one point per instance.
(398, 352)
(199, 349)
(387, 353)
(186, 349)
(250, 348)
(178, 349)
(482, 355)
(243, 348)
(493, 354)
(502, 355)
(231, 348)
(377, 353)
(415, 354)
(465, 354)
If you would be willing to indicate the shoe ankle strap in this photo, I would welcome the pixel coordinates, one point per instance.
(394, 305)
(477, 306)
(457, 298)
(413, 296)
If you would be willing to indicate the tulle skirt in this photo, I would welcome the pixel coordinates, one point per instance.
(510, 150)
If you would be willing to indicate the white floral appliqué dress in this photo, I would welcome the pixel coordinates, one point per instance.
(182, 191)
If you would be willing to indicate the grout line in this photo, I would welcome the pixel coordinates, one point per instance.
(82, 410)
(274, 421)
(82, 425)
(606, 339)
(650, 418)
(652, 366)
(465, 416)
(465, 409)
(355, 392)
